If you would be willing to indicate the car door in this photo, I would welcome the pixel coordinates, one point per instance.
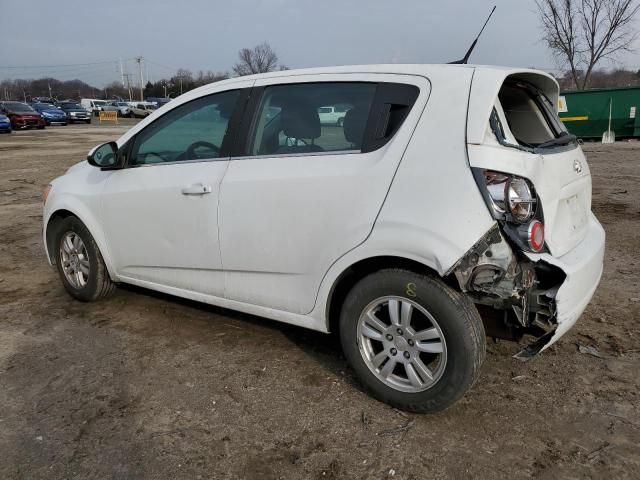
(303, 193)
(160, 213)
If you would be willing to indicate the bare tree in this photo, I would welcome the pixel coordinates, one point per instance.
(582, 32)
(259, 59)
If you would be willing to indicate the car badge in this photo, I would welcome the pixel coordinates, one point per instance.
(577, 166)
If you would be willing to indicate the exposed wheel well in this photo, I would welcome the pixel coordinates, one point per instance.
(361, 269)
(54, 220)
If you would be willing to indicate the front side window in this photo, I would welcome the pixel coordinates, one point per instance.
(193, 131)
(311, 118)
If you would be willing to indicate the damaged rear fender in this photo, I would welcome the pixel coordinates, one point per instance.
(493, 274)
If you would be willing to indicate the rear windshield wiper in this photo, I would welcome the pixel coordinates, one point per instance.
(564, 139)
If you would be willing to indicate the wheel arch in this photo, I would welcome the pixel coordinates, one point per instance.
(58, 215)
(355, 272)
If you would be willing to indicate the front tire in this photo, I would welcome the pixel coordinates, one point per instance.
(79, 262)
(414, 342)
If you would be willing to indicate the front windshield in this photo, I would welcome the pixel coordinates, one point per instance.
(122, 104)
(99, 102)
(70, 106)
(18, 107)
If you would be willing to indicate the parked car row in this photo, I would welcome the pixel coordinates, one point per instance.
(19, 115)
(125, 109)
(45, 111)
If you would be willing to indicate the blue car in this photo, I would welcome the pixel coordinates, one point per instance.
(5, 124)
(50, 113)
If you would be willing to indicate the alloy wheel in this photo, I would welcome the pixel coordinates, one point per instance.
(402, 344)
(74, 260)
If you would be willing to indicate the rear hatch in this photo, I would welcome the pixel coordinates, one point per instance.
(513, 127)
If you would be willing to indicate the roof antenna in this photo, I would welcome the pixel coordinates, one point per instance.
(473, 45)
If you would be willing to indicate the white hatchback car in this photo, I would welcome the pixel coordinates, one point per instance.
(452, 204)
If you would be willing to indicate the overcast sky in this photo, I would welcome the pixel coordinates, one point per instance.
(207, 34)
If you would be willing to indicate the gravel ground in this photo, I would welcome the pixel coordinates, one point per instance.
(143, 385)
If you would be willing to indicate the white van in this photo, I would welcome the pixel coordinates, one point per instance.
(92, 106)
(451, 205)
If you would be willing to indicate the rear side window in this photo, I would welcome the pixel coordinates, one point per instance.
(311, 118)
(525, 118)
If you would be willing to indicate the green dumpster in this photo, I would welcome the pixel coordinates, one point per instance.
(585, 113)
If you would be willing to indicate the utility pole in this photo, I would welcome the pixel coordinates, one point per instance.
(49, 85)
(122, 72)
(139, 60)
(128, 77)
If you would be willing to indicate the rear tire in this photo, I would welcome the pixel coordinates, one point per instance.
(79, 262)
(432, 347)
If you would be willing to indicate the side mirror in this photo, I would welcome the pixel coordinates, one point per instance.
(104, 156)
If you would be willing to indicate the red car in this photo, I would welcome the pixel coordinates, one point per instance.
(22, 115)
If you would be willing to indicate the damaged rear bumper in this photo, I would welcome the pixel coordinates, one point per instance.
(539, 294)
(583, 269)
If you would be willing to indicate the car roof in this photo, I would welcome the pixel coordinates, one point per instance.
(422, 69)
(442, 71)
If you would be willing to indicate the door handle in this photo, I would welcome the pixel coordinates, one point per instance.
(197, 189)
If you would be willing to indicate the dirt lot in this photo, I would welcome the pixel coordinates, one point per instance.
(147, 386)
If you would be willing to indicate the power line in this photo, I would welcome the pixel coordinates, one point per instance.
(56, 66)
(163, 66)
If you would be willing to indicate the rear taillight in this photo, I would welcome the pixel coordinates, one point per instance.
(513, 201)
(512, 198)
(535, 235)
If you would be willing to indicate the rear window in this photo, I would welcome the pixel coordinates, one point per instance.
(525, 118)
